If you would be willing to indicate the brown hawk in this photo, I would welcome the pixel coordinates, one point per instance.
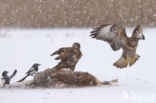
(69, 57)
(116, 36)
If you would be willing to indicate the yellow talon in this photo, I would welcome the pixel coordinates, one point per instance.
(127, 61)
(132, 61)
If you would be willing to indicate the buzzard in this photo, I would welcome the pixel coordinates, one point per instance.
(116, 36)
(69, 57)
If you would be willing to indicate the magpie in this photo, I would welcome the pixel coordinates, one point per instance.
(6, 79)
(31, 72)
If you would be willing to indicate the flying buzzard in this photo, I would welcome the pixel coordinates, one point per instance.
(69, 57)
(116, 36)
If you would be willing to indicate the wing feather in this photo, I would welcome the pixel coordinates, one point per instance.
(60, 51)
(64, 54)
(115, 39)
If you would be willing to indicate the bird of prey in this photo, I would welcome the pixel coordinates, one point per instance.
(6, 79)
(117, 38)
(68, 56)
(31, 72)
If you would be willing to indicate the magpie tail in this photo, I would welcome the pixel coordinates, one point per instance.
(13, 74)
(23, 78)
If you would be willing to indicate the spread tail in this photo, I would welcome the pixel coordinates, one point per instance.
(23, 78)
(121, 63)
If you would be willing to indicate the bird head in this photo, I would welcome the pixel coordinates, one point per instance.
(4, 73)
(138, 33)
(36, 64)
(115, 28)
(76, 45)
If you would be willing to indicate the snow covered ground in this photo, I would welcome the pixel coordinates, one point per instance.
(19, 49)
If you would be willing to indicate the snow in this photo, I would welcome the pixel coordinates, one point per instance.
(19, 49)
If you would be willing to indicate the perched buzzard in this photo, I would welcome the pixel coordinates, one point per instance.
(116, 36)
(69, 57)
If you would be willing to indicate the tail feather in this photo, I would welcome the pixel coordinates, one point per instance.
(121, 63)
(13, 74)
(23, 78)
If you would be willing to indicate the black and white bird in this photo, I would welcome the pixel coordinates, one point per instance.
(31, 72)
(6, 79)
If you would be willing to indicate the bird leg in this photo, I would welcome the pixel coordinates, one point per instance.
(119, 35)
(121, 63)
(3, 86)
(133, 60)
(7, 86)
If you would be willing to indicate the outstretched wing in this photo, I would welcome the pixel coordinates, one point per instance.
(115, 35)
(63, 53)
(61, 50)
(96, 32)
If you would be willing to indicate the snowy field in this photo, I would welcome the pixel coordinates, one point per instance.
(19, 49)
